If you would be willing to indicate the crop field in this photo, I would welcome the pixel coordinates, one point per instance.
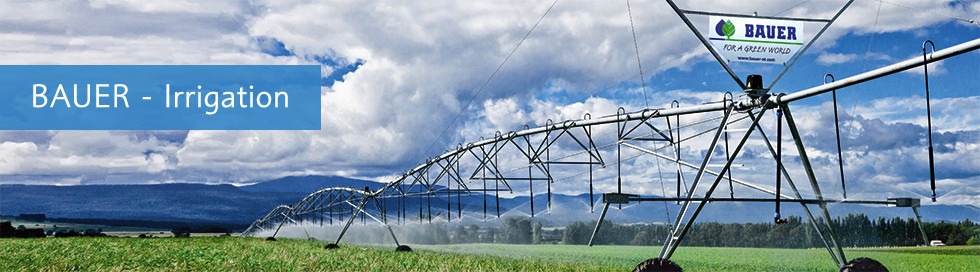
(623, 258)
(252, 254)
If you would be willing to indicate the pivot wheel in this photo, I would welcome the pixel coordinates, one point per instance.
(863, 265)
(403, 248)
(657, 264)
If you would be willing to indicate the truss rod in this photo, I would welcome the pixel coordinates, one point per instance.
(641, 154)
(689, 165)
(678, 233)
(813, 179)
(706, 44)
(792, 185)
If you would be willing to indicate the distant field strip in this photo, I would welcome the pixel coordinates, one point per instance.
(252, 254)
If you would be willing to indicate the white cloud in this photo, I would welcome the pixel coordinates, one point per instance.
(834, 58)
(178, 6)
(503, 114)
(935, 69)
(862, 15)
(828, 59)
(96, 153)
(949, 114)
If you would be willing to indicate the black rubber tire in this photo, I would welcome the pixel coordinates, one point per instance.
(657, 264)
(270, 239)
(331, 246)
(403, 248)
(863, 265)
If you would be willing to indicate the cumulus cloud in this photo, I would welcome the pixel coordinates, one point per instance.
(181, 6)
(864, 17)
(935, 69)
(833, 58)
(504, 114)
(87, 155)
(828, 59)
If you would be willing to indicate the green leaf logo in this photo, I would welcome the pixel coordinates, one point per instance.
(729, 29)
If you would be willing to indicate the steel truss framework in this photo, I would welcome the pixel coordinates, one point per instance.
(577, 150)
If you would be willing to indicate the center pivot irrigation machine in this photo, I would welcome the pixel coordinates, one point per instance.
(574, 150)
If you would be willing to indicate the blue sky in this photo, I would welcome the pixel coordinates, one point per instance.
(396, 74)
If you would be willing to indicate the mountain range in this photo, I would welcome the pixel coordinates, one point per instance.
(240, 205)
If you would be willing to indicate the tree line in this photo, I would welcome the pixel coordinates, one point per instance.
(853, 230)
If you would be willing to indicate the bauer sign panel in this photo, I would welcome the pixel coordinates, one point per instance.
(745, 39)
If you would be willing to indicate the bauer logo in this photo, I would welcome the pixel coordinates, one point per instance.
(755, 40)
(725, 28)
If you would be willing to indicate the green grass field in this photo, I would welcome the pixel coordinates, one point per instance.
(252, 254)
(732, 259)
